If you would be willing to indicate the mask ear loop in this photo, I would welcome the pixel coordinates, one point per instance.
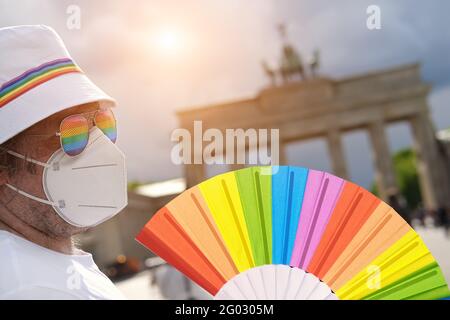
(23, 193)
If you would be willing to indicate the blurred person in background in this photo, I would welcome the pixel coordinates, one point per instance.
(175, 286)
(398, 203)
(60, 170)
(443, 220)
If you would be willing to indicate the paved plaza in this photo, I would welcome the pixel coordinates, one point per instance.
(142, 285)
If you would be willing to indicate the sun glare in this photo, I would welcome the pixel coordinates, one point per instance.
(169, 41)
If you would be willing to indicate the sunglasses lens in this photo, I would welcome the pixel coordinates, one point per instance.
(74, 134)
(105, 121)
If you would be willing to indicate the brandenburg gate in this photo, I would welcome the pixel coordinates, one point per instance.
(327, 108)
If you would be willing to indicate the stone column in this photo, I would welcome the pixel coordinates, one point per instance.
(282, 159)
(194, 173)
(384, 168)
(233, 167)
(242, 150)
(430, 163)
(337, 154)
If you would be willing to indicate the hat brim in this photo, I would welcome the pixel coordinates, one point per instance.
(50, 97)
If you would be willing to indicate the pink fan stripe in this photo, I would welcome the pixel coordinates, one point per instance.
(321, 193)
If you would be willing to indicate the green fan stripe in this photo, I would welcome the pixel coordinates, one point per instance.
(406, 287)
(255, 190)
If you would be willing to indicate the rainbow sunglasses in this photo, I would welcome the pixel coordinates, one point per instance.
(74, 129)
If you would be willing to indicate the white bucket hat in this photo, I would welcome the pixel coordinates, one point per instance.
(38, 78)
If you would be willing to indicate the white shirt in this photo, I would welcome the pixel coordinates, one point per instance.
(29, 271)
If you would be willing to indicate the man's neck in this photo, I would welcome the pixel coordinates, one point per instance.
(10, 223)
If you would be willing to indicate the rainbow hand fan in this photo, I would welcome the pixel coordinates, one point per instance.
(296, 233)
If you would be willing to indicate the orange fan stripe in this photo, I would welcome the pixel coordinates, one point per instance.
(383, 228)
(217, 236)
(192, 214)
(351, 212)
(165, 237)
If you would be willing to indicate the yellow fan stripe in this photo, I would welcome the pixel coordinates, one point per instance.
(222, 197)
(407, 255)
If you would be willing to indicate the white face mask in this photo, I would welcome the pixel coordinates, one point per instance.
(87, 189)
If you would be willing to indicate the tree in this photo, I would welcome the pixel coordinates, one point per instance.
(406, 177)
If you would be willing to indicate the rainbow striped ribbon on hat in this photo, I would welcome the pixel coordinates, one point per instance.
(34, 77)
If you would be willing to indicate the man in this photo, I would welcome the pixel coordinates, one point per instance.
(60, 170)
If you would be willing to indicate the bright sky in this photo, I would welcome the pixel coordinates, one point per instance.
(156, 57)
